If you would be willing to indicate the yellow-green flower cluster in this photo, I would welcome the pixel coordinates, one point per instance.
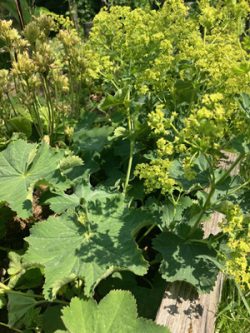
(38, 30)
(201, 131)
(151, 50)
(236, 226)
(4, 82)
(132, 41)
(145, 46)
(206, 125)
(226, 15)
(45, 68)
(164, 147)
(5, 88)
(157, 121)
(156, 176)
(9, 35)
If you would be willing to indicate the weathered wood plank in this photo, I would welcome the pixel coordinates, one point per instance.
(182, 310)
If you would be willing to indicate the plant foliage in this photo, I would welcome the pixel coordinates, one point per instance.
(115, 313)
(127, 133)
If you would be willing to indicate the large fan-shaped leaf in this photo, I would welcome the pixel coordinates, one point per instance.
(183, 261)
(22, 165)
(19, 305)
(90, 250)
(116, 313)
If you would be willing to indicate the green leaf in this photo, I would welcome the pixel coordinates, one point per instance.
(201, 179)
(90, 247)
(21, 276)
(15, 269)
(183, 261)
(11, 6)
(63, 202)
(2, 301)
(92, 140)
(184, 91)
(22, 165)
(111, 101)
(148, 297)
(20, 124)
(51, 319)
(115, 313)
(239, 144)
(243, 200)
(244, 101)
(174, 214)
(6, 215)
(18, 306)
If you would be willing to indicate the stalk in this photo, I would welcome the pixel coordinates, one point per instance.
(10, 327)
(5, 249)
(211, 192)
(72, 90)
(146, 232)
(131, 152)
(50, 108)
(20, 14)
(243, 298)
(8, 290)
(11, 104)
(39, 127)
(74, 13)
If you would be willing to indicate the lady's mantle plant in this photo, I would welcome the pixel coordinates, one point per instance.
(169, 100)
(181, 78)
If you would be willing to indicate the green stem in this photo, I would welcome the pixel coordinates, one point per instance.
(4, 287)
(35, 120)
(185, 141)
(200, 241)
(8, 290)
(5, 249)
(243, 298)
(146, 233)
(38, 126)
(11, 104)
(155, 261)
(239, 187)
(130, 161)
(10, 327)
(230, 169)
(131, 152)
(211, 192)
(71, 80)
(202, 212)
(57, 301)
(50, 108)
(74, 13)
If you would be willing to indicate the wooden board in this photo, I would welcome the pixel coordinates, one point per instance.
(182, 310)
